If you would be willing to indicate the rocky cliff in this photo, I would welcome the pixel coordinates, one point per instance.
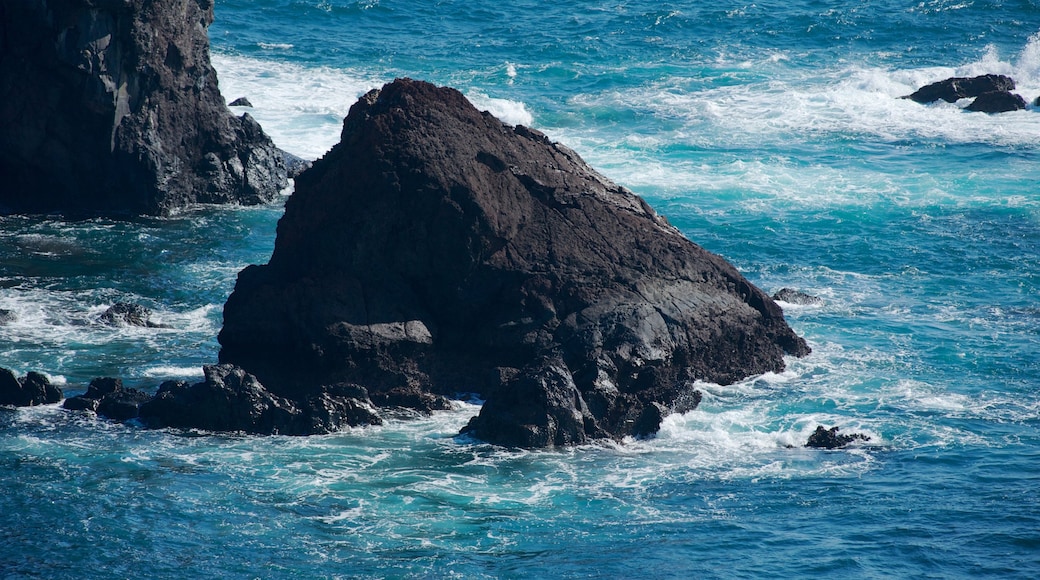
(436, 250)
(112, 107)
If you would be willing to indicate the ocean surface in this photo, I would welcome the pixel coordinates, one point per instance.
(771, 133)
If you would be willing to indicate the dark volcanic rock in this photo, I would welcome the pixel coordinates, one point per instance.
(240, 102)
(792, 296)
(128, 314)
(112, 107)
(831, 439)
(230, 399)
(107, 397)
(997, 102)
(32, 389)
(437, 249)
(953, 89)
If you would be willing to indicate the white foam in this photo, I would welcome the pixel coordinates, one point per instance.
(301, 108)
(792, 114)
(507, 111)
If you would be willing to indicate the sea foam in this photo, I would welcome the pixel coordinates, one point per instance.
(302, 108)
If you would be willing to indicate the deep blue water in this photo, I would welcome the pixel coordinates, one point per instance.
(768, 132)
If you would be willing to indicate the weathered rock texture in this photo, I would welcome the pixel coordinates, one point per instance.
(992, 93)
(32, 389)
(438, 250)
(112, 107)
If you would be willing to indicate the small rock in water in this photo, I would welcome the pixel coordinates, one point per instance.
(791, 296)
(241, 102)
(128, 314)
(830, 439)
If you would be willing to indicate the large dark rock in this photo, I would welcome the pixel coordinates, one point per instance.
(953, 89)
(436, 248)
(112, 107)
(32, 389)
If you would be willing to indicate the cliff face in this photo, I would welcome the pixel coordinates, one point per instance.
(112, 106)
(437, 250)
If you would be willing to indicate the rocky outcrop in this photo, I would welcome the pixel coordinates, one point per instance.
(992, 93)
(230, 399)
(437, 250)
(997, 102)
(792, 296)
(112, 107)
(108, 397)
(32, 389)
(824, 438)
(128, 314)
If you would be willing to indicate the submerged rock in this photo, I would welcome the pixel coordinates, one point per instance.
(32, 389)
(112, 107)
(830, 438)
(437, 250)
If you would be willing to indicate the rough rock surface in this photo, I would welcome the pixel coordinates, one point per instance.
(108, 397)
(32, 389)
(112, 107)
(997, 102)
(230, 399)
(438, 250)
(792, 296)
(955, 88)
(830, 438)
(128, 314)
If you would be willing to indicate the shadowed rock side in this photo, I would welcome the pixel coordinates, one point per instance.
(112, 107)
(438, 250)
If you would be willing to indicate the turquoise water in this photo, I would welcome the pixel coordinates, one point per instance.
(768, 132)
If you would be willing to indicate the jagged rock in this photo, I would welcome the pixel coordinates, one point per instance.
(295, 165)
(108, 397)
(112, 107)
(230, 399)
(792, 296)
(241, 102)
(997, 102)
(953, 89)
(830, 438)
(128, 314)
(437, 249)
(32, 389)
